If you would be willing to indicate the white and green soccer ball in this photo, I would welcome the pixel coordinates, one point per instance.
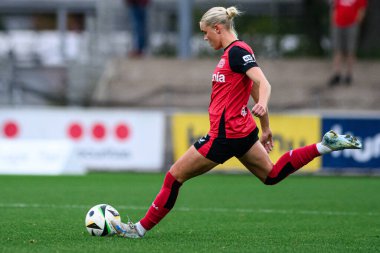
(98, 220)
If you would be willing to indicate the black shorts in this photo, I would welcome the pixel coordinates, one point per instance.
(220, 149)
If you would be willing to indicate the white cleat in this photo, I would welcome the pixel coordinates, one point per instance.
(336, 141)
(126, 229)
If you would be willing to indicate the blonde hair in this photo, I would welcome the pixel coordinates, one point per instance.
(221, 15)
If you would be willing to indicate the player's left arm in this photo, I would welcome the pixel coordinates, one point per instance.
(260, 93)
(242, 61)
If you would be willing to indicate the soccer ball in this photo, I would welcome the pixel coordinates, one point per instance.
(98, 220)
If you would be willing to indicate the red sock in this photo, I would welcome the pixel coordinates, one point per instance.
(163, 203)
(290, 162)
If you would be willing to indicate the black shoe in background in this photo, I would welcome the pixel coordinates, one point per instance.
(334, 80)
(348, 80)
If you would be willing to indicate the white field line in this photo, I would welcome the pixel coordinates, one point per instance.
(208, 210)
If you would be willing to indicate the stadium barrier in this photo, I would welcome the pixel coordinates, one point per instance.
(71, 141)
(112, 140)
(364, 160)
(293, 131)
(290, 131)
(39, 157)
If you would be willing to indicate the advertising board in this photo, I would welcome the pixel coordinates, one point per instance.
(103, 139)
(289, 132)
(367, 129)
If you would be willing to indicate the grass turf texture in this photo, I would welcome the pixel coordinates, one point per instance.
(214, 213)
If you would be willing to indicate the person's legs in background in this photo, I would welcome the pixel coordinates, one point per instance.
(336, 35)
(352, 36)
(139, 30)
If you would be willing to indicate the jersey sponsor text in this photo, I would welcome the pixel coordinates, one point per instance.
(220, 78)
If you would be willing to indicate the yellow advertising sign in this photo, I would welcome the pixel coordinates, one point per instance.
(289, 132)
(294, 131)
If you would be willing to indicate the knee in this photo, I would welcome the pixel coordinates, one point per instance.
(177, 174)
(174, 173)
(270, 181)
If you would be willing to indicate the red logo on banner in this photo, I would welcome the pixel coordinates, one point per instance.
(122, 131)
(98, 131)
(10, 129)
(76, 131)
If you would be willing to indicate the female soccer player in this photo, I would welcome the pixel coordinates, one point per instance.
(233, 131)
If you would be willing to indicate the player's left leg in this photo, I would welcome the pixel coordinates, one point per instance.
(191, 164)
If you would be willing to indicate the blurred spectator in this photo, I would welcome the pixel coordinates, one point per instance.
(347, 16)
(138, 19)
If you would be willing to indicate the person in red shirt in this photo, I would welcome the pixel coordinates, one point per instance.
(347, 16)
(233, 131)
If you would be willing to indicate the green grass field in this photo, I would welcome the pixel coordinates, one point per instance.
(214, 213)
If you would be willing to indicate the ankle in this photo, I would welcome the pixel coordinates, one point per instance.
(140, 229)
(322, 149)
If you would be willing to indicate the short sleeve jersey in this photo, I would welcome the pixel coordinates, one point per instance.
(346, 11)
(231, 89)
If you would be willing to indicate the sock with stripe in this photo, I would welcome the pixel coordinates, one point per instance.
(162, 204)
(291, 162)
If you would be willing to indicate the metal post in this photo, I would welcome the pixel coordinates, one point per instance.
(185, 9)
(62, 28)
(275, 25)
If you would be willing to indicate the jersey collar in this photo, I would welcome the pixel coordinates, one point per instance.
(231, 44)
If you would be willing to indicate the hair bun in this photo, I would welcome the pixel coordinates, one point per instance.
(231, 12)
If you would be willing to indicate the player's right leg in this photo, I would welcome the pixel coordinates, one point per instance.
(334, 142)
(257, 160)
(191, 164)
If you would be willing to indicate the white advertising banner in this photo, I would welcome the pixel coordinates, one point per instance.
(39, 157)
(103, 139)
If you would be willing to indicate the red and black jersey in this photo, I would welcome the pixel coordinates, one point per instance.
(231, 89)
